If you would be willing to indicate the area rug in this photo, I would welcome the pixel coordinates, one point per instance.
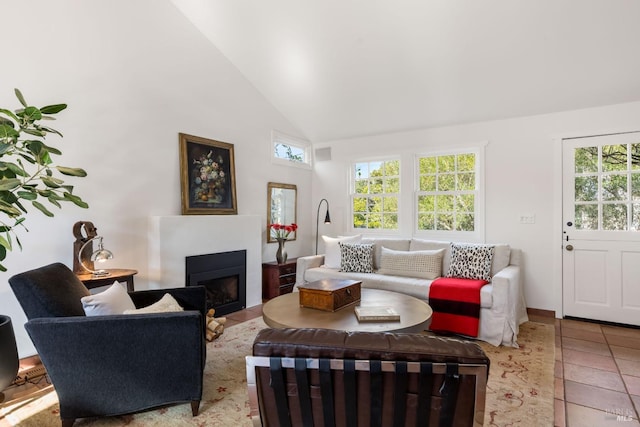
(520, 388)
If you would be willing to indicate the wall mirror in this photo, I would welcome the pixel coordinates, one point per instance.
(282, 200)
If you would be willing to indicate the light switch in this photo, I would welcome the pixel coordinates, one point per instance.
(527, 218)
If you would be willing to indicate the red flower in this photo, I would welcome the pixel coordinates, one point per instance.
(282, 231)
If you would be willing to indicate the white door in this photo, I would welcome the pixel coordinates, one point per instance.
(601, 228)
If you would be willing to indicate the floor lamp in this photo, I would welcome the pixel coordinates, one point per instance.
(327, 220)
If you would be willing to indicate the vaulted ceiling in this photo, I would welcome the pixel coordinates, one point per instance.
(342, 68)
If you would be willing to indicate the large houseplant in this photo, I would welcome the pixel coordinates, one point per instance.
(28, 175)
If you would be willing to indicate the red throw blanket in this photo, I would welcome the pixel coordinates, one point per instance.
(456, 305)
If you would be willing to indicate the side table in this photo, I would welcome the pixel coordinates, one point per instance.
(115, 275)
(278, 279)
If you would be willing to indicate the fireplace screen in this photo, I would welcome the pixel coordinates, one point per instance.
(224, 277)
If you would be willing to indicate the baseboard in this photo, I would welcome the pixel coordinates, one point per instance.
(540, 312)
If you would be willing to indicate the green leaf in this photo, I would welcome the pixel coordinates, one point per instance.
(4, 148)
(4, 242)
(17, 169)
(9, 209)
(9, 183)
(53, 109)
(7, 131)
(27, 195)
(35, 132)
(52, 150)
(49, 182)
(32, 114)
(9, 113)
(41, 208)
(20, 97)
(54, 202)
(71, 171)
(76, 200)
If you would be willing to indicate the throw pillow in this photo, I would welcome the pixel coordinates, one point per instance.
(113, 300)
(356, 257)
(471, 261)
(166, 304)
(332, 249)
(421, 264)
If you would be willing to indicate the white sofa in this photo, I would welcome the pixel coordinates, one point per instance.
(502, 305)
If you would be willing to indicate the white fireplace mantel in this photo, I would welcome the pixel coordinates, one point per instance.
(172, 238)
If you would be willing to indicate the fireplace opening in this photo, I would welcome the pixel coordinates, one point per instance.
(223, 275)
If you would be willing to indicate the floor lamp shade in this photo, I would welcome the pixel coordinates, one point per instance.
(327, 220)
(9, 361)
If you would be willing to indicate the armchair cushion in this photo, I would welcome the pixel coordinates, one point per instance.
(113, 300)
(167, 304)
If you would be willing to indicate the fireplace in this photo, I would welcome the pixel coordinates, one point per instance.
(224, 275)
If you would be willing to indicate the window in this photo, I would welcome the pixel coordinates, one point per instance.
(448, 197)
(375, 194)
(290, 151)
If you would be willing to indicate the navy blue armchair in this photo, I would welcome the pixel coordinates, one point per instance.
(118, 364)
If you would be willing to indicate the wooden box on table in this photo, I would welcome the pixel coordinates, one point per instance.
(329, 294)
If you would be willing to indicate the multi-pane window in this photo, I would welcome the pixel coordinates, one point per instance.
(607, 187)
(376, 190)
(447, 193)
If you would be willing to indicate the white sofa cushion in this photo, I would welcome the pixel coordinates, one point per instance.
(423, 264)
(356, 257)
(434, 245)
(378, 244)
(501, 258)
(332, 249)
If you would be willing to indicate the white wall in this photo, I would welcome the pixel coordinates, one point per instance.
(522, 177)
(134, 74)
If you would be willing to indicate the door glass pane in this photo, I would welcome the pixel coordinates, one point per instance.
(586, 217)
(614, 216)
(586, 188)
(635, 217)
(635, 187)
(635, 156)
(586, 159)
(614, 158)
(614, 187)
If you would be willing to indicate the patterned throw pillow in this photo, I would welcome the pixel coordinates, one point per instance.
(421, 264)
(469, 261)
(356, 257)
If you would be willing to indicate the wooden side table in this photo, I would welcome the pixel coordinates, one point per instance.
(278, 279)
(116, 275)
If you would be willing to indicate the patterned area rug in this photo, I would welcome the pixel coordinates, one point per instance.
(520, 388)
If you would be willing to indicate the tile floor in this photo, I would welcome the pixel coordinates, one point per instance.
(597, 372)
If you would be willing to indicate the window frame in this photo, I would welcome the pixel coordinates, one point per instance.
(288, 140)
(353, 194)
(478, 234)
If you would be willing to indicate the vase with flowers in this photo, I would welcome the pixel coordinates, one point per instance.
(281, 233)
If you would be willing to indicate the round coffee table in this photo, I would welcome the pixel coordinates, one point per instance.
(285, 312)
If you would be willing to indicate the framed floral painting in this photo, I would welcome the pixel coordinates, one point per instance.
(207, 176)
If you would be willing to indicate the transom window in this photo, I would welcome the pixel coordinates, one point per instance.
(448, 192)
(290, 151)
(375, 193)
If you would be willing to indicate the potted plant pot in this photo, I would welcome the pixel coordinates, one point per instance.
(9, 361)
